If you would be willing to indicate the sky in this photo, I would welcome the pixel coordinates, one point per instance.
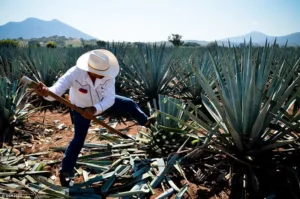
(155, 20)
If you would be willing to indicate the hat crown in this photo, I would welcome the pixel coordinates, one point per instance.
(101, 62)
(98, 61)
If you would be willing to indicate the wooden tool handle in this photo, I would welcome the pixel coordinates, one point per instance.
(34, 85)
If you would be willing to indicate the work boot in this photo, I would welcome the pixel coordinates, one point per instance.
(65, 179)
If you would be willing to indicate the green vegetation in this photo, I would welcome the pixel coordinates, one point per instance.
(175, 39)
(8, 43)
(60, 41)
(168, 135)
(191, 44)
(228, 110)
(101, 44)
(249, 104)
(12, 113)
(51, 44)
(147, 72)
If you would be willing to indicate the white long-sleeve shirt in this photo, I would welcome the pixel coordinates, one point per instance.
(83, 92)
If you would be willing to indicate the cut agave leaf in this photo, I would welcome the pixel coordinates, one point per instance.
(95, 179)
(3, 174)
(157, 180)
(144, 189)
(8, 168)
(166, 194)
(181, 192)
(172, 184)
(50, 185)
(85, 175)
(108, 184)
(88, 191)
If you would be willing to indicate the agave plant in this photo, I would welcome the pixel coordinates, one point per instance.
(119, 50)
(9, 64)
(169, 134)
(70, 56)
(186, 85)
(12, 112)
(252, 127)
(147, 72)
(45, 65)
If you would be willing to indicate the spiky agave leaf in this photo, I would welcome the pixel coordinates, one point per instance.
(147, 71)
(45, 65)
(245, 102)
(10, 97)
(186, 83)
(120, 49)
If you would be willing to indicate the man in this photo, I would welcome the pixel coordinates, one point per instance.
(92, 88)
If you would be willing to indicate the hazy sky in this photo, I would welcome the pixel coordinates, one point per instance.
(155, 20)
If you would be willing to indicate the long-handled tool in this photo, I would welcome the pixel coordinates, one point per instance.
(34, 85)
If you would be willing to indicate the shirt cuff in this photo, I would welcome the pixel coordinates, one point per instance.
(49, 98)
(98, 108)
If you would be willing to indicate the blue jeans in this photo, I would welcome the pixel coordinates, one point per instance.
(127, 105)
(81, 126)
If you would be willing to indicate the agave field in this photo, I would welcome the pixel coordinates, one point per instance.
(227, 121)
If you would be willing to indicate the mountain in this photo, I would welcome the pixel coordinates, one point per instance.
(260, 38)
(36, 28)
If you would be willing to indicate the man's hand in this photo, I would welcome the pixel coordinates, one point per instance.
(42, 90)
(89, 112)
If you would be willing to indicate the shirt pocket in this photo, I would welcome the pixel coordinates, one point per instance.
(83, 93)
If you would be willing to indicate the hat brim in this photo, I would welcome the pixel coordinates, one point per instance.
(112, 71)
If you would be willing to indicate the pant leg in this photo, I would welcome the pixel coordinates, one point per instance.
(127, 105)
(81, 126)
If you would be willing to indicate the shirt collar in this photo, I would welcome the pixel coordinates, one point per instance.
(97, 82)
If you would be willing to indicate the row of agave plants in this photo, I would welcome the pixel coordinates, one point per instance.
(230, 106)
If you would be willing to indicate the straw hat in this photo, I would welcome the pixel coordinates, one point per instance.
(100, 62)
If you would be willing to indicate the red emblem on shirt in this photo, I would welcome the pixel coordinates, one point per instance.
(83, 90)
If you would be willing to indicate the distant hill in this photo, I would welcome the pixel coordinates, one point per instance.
(260, 38)
(202, 43)
(36, 28)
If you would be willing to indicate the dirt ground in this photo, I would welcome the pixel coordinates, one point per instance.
(48, 135)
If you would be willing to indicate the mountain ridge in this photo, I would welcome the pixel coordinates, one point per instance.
(37, 28)
(293, 39)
